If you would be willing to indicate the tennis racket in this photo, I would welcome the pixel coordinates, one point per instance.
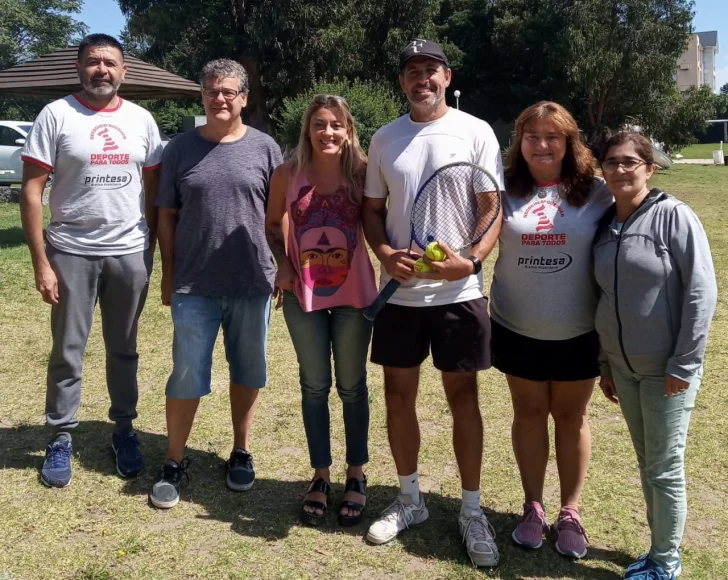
(457, 205)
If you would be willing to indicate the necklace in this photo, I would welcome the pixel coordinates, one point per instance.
(543, 189)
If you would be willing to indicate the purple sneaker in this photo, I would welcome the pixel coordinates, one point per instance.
(570, 536)
(529, 532)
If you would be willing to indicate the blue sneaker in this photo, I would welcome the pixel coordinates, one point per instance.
(647, 569)
(129, 459)
(56, 470)
(240, 470)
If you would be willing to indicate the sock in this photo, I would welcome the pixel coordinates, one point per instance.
(62, 435)
(471, 502)
(410, 485)
(123, 427)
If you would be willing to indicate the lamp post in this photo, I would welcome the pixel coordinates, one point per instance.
(457, 99)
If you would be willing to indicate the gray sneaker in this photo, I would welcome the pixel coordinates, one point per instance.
(398, 516)
(165, 491)
(240, 470)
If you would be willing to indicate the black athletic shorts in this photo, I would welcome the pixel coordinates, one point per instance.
(574, 359)
(458, 334)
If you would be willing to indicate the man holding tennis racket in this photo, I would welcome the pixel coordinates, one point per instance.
(443, 310)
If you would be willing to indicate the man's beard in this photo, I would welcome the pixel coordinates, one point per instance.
(105, 89)
(431, 103)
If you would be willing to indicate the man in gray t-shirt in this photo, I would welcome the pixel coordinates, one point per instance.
(217, 269)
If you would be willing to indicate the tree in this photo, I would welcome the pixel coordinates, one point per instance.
(372, 105)
(607, 61)
(284, 45)
(721, 106)
(685, 115)
(623, 55)
(168, 114)
(724, 89)
(31, 28)
(510, 54)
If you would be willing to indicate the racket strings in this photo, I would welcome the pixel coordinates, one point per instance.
(456, 206)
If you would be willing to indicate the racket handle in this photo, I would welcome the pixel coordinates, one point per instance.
(370, 313)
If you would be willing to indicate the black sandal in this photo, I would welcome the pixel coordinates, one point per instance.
(312, 518)
(359, 486)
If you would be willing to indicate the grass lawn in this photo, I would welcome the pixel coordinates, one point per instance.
(702, 150)
(101, 526)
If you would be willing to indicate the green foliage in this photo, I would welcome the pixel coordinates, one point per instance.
(168, 113)
(29, 28)
(284, 45)
(685, 115)
(609, 62)
(724, 89)
(721, 105)
(372, 105)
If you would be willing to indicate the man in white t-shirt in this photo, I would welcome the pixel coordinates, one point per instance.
(445, 312)
(98, 247)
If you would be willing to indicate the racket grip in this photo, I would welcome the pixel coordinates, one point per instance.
(370, 313)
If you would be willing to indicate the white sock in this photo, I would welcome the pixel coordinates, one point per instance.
(410, 485)
(471, 502)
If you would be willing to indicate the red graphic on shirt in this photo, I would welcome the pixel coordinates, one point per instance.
(543, 224)
(109, 144)
(110, 135)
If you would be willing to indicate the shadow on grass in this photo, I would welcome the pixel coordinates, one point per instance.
(11, 237)
(270, 510)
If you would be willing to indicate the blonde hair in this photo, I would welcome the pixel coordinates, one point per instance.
(353, 158)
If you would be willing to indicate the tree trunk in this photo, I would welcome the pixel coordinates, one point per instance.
(256, 114)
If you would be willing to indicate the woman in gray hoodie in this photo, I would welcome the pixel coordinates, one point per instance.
(657, 298)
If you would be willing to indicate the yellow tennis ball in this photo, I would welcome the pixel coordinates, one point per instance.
(435, 252)
(421, 267)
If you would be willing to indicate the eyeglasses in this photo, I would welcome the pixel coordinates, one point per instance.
(628, 165)
(228, 94)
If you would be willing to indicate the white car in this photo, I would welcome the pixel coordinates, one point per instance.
(12, 139)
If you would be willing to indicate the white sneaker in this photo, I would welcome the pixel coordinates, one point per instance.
(479, 538)
(400, 515)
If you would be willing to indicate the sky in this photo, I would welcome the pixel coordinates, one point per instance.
(105, 16)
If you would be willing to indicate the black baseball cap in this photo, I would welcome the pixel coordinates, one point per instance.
(421, 47)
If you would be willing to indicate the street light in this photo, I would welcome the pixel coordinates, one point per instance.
(457, 99)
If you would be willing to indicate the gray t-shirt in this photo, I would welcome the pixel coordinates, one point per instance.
(543, 284)
(221, 192)
(97, 158)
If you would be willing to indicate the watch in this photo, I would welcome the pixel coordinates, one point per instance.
(477, 264)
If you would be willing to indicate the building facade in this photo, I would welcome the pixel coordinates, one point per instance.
(696, 66)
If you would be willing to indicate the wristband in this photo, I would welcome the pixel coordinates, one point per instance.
(477, 264)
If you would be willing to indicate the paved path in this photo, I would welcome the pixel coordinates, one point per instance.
(694, 161)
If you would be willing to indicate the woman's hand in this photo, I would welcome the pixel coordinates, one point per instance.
(285, 277)
(608, 388)
(675, 386)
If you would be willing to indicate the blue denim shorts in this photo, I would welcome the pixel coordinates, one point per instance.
(197, 321)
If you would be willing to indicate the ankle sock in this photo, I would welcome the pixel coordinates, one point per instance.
(410, 485)
(471, 501)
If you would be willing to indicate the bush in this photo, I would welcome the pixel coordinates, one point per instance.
(373, 105)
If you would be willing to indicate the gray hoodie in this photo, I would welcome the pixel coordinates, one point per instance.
(657, 289)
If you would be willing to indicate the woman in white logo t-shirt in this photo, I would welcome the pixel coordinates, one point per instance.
(543, 301)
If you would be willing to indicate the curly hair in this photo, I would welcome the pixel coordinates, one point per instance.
(577, 169)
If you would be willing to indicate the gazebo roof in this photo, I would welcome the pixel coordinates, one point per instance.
(54, 76)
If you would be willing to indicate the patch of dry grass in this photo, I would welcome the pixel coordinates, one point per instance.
(101, 527)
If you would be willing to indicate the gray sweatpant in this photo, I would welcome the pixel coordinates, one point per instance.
(119, 284)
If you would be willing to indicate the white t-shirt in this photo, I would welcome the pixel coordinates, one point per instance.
(97, 157)
(402, 156)
(543, 284)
